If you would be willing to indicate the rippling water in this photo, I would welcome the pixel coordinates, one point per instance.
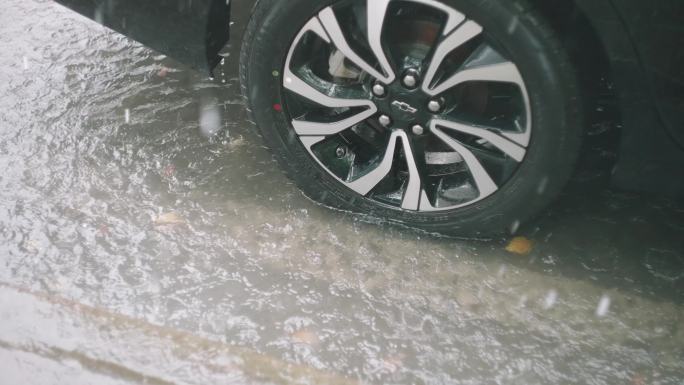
(132, 184)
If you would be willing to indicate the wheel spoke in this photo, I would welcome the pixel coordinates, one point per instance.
(295, 84)
(505, 72)
(332, 27)
(525, 134)
(460, 36)
(487, 65)
(411, 200)
(366, 183)
(377, 10)
(454, 18)
(484, 182)
(507, 146)
(310, 141)
(303, 127)
(300, 87)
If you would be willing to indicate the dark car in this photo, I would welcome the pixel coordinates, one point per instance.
(454, 116)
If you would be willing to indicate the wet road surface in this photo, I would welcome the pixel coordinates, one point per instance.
(146, 236)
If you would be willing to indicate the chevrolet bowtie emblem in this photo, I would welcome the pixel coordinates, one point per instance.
(404, 107)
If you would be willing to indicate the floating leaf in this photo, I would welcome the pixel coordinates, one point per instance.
(638, 379)
(169, 219)
(467, 299)
(393, 363)
(163, 72)
(519, 245)
(306, 336)
(169, 171)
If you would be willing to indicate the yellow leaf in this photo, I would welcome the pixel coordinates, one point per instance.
(305, 336)
(519, 245)
(169, 219)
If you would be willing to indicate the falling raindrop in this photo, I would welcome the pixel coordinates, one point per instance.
(25, 60)
(512, 26)
(514, 227)
(99, 14)
(209, 119)
(127, 115)
(603, 306)
(543, 184)
(550, 300)
(502, 271)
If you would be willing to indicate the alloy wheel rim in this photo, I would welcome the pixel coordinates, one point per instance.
(407, 102)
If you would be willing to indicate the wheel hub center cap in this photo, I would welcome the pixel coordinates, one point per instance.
(405, 107)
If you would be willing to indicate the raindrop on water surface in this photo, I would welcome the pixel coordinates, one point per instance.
(550, 300)
(603, 306)
(209, 119)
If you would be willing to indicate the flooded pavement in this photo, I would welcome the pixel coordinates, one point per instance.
(146, 236)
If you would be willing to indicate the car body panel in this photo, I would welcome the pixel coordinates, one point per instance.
(190, 31)
(643, 49)
(656, 29)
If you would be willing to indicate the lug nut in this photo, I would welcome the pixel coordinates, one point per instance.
(385, 120)
(418, 129)
(341, 151)
(378, 89)
(410, 79)
(435, 106)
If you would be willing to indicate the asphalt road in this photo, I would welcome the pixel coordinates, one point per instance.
(146, 236)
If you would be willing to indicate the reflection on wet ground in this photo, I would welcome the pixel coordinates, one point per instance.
(146, 235)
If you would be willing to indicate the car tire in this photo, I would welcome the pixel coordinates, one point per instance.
(513, 27)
